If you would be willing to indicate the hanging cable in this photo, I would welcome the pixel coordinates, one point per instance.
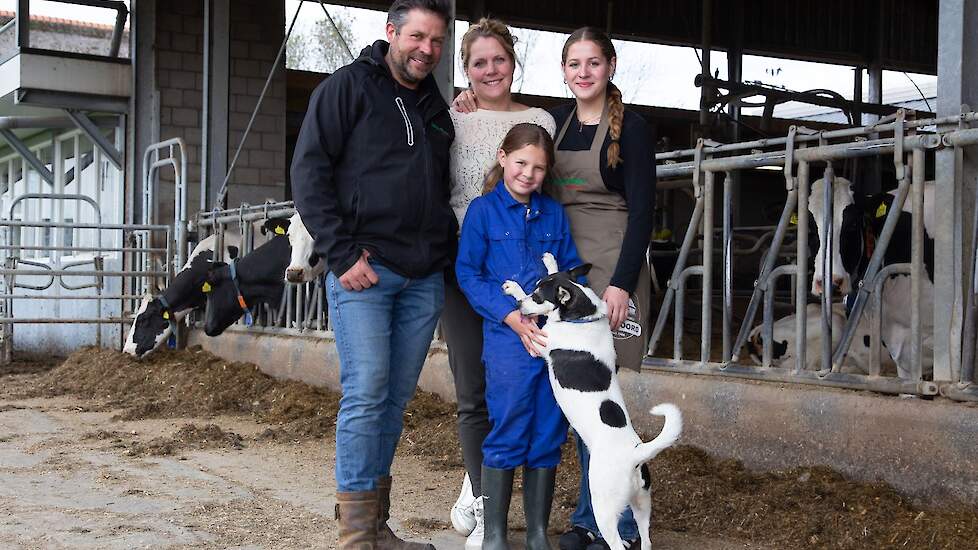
(222, 194)
(919, 91)
(336, 29)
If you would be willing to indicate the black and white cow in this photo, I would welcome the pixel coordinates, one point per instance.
(260, 277)
(783, 342)
(854, 236)
(159, 314)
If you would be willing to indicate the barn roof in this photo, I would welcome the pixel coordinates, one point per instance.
(899, 34)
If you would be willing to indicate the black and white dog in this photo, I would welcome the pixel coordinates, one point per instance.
(580, 354)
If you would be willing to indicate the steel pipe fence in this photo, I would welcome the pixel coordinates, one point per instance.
(62, 243)
(797, 155)
(303, 308)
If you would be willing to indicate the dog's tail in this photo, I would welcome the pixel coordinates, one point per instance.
(669, 434)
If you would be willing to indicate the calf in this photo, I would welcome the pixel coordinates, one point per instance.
(580, 354)
(854, 235)
(304, 264)
(783, 342)
(260, 277)
(158, 316)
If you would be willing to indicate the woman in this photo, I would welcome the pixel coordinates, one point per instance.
(489, 61)
(605, 178)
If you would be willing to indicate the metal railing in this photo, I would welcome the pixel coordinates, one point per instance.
(797, 155)
(65, 260)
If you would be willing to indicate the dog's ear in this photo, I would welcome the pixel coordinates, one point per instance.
(580, 271)
(563, 295)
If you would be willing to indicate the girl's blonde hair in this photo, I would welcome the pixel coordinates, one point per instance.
(518, 137)
(616, 109)
(488, 27)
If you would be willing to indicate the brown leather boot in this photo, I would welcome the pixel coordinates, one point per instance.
(386, 539)
(356, 513)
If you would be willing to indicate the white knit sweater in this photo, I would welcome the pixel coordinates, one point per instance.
(477, 138)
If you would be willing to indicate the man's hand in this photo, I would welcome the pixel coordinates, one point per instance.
(361, 276)
(466, 102)
(528, 331)
(617, 302)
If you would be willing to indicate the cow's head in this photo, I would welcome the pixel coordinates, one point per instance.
(150, 328)
(257, 278)
(304, 265)
(848, 225)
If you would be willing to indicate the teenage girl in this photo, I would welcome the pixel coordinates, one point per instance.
(605, 179)
(504, 236)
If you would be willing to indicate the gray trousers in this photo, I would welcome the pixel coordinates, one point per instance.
(462, 329)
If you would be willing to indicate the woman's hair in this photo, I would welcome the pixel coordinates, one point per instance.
(616, 109)
(518, 137)
(488, 28)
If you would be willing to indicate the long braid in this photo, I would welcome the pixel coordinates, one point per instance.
(616, 115)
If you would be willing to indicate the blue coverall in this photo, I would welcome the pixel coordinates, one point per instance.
(503, 239)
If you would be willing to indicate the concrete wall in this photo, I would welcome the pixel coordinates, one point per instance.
(256, 32)
(928, 449)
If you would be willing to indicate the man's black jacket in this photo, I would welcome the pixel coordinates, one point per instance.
(370, 170)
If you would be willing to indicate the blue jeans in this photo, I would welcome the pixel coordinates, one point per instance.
(382, 336)
(584, 515)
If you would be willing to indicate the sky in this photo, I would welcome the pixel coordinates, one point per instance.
(648, 74)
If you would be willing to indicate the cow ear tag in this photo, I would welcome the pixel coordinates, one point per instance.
(166, 315)
(794, 219)
(248, 318)
(279, 230)
(881, 211)
(206, 288)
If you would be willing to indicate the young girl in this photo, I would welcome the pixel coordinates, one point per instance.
(504, 236)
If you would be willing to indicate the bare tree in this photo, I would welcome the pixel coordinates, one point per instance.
(320, 48)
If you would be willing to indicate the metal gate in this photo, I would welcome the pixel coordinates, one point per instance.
(68, 260)
(706, 165)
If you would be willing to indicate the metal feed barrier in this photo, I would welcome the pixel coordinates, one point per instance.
(303, 306)
(796, 154)
(61, 202)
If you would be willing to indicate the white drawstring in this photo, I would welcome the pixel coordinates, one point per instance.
(407, 121)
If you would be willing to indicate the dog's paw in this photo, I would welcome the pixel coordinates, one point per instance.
(513, 289)
(550, 263)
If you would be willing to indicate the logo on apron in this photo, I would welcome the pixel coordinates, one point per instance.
(631, 326)
(570, 183)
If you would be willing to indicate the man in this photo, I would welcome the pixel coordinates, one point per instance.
(370, 180)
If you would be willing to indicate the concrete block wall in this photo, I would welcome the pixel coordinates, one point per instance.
(256, 33)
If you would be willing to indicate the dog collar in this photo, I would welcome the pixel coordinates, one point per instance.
(232, 267)
(588, 319)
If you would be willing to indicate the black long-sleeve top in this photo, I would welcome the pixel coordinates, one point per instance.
(633, 179)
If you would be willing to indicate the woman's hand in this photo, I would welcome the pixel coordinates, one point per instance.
(617, 301)
(466, 102)
(528, 331)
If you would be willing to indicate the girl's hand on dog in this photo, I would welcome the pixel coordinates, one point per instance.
(617, 302)
(528, 331)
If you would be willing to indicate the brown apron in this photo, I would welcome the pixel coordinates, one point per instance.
(598, 218)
